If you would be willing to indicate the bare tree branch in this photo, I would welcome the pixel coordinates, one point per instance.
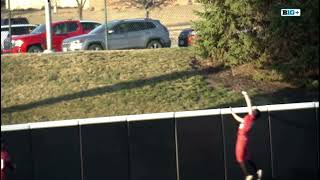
(81, 4)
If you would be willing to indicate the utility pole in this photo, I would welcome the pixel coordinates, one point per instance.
(106, 28)
(9, 23)
(47, 6)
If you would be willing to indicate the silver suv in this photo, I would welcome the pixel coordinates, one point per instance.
(122, 34)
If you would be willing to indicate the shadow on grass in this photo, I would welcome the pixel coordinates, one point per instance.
(282, 96)
(113, 88)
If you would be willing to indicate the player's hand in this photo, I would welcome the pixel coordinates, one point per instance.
(244, 92)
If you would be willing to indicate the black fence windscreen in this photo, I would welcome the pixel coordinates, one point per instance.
(105, 151)
(283, 142)
(152, 150)
(56, 153)
(200, 148)
(294, 144)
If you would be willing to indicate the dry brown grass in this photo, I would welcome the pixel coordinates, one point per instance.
(167, 15)
(92, 84)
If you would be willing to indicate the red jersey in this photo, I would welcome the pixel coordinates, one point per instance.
(5, 159)
(242, 151)
(245, 127)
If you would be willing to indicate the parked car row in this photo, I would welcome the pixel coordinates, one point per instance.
(122, 34)
(36, 40)
(74, 35)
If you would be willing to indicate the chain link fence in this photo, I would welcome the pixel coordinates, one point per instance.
(176, 15)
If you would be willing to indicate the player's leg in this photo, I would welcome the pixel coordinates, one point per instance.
(245, 171)
(252, 165)
(240, 157)
(244, 168)
(255, 169)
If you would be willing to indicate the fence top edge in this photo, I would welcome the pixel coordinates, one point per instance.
(53, 124)
(15, 127)
(155, 116)
(292, 106)
(101, 120)
(207, 112)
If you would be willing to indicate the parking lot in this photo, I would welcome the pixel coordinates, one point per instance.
(175, 17)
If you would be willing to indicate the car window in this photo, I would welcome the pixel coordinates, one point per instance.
(149, 25)
(139, 26)
(98, 30)
(24, 30)
(19, 30)
(72, 26)
(121, 28)
(60, 29)
(87, 26)
(15, 21)
(20, 21)
(39, 29)
(101, 28)
(133, 26)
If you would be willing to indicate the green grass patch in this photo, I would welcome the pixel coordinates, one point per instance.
(93, 84)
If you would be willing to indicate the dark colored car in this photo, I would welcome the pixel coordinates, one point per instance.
(18, 20)
(186, 37)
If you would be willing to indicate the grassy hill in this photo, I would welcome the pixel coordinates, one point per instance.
(45, 87)
(93, 84)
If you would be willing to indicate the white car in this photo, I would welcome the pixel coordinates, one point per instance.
(16, 29)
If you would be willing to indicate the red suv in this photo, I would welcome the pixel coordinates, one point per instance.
(36, 40)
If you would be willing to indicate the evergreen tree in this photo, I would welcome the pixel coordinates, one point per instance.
(240, 31)
(229, 30)
(292, 43)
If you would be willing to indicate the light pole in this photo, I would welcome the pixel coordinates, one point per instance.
(47, 6)
(9, 23)
(106, 28)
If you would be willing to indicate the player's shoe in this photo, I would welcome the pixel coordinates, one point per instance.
(259, 174)
(250, 177)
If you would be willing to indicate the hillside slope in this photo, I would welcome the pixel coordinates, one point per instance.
(60, 86)
(92, 84)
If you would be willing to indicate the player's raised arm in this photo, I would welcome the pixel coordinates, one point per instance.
(248, 101)
(235, 116)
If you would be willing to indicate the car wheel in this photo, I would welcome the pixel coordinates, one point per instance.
(35, 49)
(154, 44)
(95, 47)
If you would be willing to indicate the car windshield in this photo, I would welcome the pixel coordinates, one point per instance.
(101, 28)
(39, 29)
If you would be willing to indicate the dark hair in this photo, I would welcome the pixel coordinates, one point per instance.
(256, 113)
